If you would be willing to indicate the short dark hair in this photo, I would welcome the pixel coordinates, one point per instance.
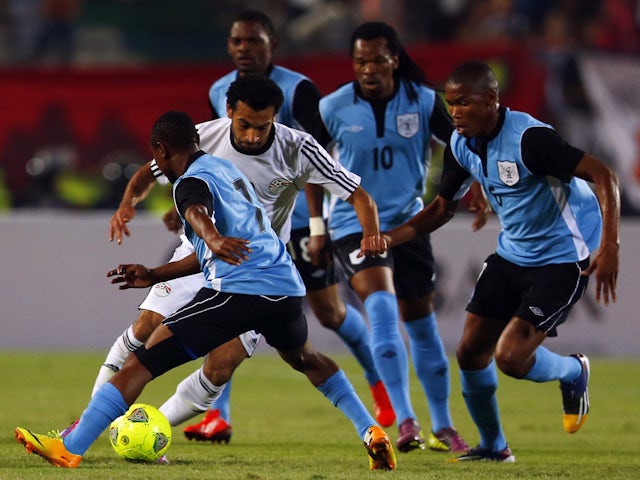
(258, 17)
(477, 74)
(176, 129)
(257, 91)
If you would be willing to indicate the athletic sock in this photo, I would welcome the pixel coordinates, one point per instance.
(479, 392)
(223, 404)
(354, 332)
(549, 366)
(120, 350)
(432, 368)
(104, 407)
(389, 353)
(193, 396)
(338, 389)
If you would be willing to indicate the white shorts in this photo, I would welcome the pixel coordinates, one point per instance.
(165, 298)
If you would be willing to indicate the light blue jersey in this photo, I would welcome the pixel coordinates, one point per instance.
(237, 213)
(392, 163)
(544, 220)
(288, 81)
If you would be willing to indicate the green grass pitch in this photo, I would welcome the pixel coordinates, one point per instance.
(285, 429)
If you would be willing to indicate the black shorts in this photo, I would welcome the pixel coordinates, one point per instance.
(543, 296)
(314, 277)
(412, 264)
(213, 318)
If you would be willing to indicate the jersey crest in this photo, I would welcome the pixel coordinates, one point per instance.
(278, 184)
(407, 125)
(508, 173)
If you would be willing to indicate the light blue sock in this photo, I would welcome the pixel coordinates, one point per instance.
(105, 406)
(549, 366)
(222, 403)
(354, 332)
(432, 368)
(479, 392)
(338, 389)
(389, 353)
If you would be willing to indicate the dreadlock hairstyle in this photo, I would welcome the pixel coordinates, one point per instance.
(408, 70)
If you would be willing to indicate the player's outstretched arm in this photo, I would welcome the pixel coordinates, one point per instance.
(228, 249)
(139, 276)
(137, 189)
(372, 243)
(432, 217)
(605, 261)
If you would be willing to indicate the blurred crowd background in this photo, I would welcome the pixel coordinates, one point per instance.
(52, 51)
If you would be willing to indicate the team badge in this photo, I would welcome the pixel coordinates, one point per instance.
(162, 289)
(508, 173)
(407, 124)
(278, 185)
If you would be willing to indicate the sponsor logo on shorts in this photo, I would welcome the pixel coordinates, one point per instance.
(537, 311)
(162, 289)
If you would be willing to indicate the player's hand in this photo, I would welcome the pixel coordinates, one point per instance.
(605, 266)
(118, 223)
(372, 245)
(320, 254)
(131, 276)
(229, 249)
(482, 209)
(172, 220)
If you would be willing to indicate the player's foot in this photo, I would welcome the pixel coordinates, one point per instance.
(385, 415)
(50, 448)
(378, 445)
(212, 428)
(575, 398)
(409, 436)
(479, 454)
(65, 432)
(447, 440)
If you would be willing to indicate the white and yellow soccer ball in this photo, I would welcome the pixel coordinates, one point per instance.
(142, 434)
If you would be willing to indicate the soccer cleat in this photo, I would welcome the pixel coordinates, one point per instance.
(378, 445)
(479, 454)
(212, 428)
(575, 398)
(50, 448)
(65, 432)
(409, 436)
(447, 440)
(163, 460)
(385, 415)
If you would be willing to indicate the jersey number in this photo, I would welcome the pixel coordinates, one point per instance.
(382, 158)
(242, 188)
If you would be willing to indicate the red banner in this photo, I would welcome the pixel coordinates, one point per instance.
(98, 112)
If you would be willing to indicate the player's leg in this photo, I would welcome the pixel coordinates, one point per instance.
(289, 336)
(414, 279)
(324, 300)
(161, 301)
(553, 290)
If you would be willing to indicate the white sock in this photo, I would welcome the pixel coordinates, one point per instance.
(194, 395)
(120, 350)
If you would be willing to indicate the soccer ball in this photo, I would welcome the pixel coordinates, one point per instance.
(143, 433)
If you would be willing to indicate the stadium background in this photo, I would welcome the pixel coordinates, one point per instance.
(82, 82)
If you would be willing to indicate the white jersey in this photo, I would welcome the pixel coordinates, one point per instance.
(278, 174)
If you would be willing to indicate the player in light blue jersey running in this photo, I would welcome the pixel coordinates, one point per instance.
(555, 233)
(251, 284)
(382, 125)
